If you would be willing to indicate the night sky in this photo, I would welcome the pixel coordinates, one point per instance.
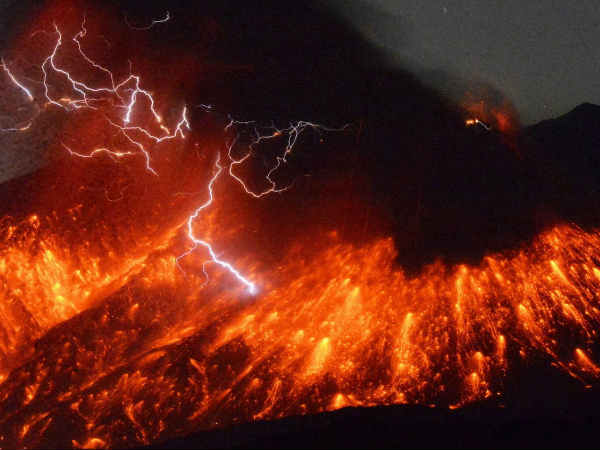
(544, 56)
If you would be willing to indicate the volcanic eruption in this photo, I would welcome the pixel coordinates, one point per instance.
(221, 234)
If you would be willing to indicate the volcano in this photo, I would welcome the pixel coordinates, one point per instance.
(218, 236)
(540, 406)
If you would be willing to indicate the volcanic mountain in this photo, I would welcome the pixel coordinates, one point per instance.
(251, 216)
(541, 407)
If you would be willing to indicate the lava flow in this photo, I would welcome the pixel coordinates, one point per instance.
(135, 307)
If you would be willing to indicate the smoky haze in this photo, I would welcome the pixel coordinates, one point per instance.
(542, 55)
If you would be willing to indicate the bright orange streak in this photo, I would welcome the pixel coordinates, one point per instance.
(343, 327)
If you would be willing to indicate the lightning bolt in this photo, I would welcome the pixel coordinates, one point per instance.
(154, 22)
(97, 151)
(131, 83)
(126, 93)
(201, 243)
(293, 132)
(25, 91)
(14, 129)
(16, 82)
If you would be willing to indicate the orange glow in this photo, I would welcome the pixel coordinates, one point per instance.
(106, 341)
(342, 328)
(500, 115)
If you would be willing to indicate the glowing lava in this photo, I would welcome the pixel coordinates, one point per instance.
(105, 343)
(342, 327)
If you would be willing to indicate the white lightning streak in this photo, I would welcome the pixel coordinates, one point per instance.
(97, 151)
(154, 22)
(131, 88)
(15, 81)
(199, 242)
(293, 131)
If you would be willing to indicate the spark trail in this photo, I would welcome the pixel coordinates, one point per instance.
(473, 122)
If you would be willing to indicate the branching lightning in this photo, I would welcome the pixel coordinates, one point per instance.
(130, 84)
(293, 131)
(201, 243)
(153, 23)
(124, 95)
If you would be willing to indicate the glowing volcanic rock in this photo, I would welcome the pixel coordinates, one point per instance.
(344, 327)
(104, 342)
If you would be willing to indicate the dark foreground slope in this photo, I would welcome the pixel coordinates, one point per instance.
(413, 427)
(542, 409)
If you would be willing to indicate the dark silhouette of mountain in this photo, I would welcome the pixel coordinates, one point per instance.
(565, 154)
(410, 427)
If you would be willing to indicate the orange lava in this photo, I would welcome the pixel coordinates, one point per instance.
(339, 326)
(106, 342)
